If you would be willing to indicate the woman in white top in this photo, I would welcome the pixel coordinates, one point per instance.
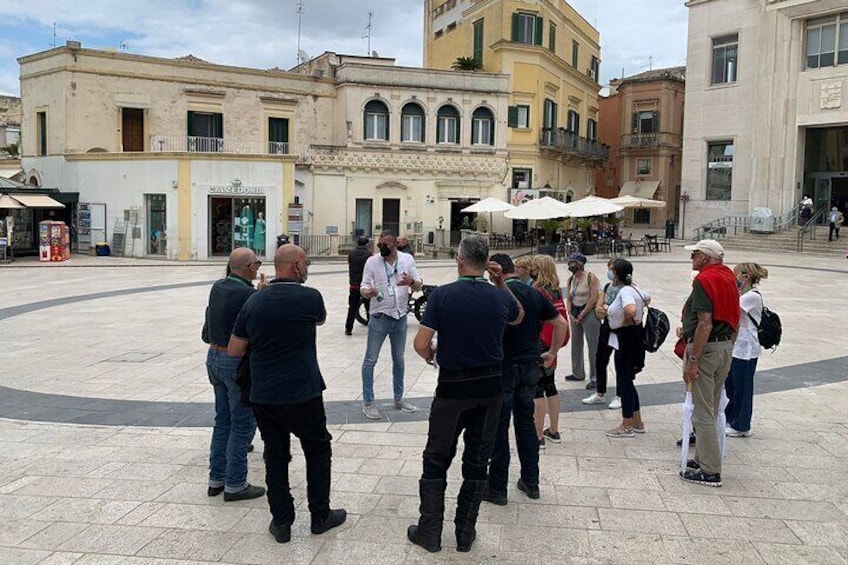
(740, 382)
(626, 333)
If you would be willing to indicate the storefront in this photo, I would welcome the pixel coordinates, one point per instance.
(22, 208)
(237, 218)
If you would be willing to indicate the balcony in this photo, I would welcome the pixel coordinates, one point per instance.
(195, 144)
(572, 145)
(650, 140)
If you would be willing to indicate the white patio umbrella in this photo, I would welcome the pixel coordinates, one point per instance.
(688, 410)
(543, 208)
(591, 206)
(721, 422)
(489, 205)
(628, 201)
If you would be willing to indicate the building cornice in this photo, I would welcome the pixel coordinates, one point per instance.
(460, 164)
(145, 156)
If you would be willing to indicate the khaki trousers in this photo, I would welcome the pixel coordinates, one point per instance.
(713, 369)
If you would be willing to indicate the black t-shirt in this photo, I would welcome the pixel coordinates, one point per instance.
(279, 322)
(470, 317)
(225, 300)
(521, 342)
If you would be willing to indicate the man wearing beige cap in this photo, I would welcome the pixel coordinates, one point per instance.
(710, 319)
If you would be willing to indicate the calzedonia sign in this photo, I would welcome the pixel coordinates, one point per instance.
(238, 190)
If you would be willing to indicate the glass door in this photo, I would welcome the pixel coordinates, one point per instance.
(156, 224)
(364, 217)
(822, 197)
(220, 226)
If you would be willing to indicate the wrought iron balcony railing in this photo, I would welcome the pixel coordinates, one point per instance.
(196, 144)
(568, 143)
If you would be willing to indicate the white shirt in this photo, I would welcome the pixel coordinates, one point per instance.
(384, 276)
(747, 344)
(615, 312)
(834, 216)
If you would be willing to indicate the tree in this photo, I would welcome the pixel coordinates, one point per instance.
(12, 149)
(467, 64)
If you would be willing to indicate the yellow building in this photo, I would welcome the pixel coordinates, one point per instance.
(552, 55)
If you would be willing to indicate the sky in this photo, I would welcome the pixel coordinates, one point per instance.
(635, 34)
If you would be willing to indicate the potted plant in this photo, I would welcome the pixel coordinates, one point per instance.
(549, 227)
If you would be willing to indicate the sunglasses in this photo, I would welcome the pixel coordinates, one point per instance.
(256, 263)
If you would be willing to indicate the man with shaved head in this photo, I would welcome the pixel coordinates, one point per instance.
(279, 324)
(234, 422)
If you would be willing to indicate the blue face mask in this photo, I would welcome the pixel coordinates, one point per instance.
(610, 275)
(739, 284)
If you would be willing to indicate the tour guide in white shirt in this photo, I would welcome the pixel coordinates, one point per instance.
(387, 281)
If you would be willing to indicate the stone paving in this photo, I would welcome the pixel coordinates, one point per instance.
(85, 345)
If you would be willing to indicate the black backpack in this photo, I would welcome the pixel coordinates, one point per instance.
(770, 329)
(657, 327)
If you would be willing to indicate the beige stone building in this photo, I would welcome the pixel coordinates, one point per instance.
(766, 107)
(190, 159)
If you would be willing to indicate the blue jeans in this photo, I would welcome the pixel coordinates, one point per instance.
(519, 389)
(234, 425)
(740, 390)
(380, 326)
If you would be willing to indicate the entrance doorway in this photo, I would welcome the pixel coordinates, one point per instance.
(156, 224)
(460, 220)
(362, 224)
(236, 222)
(391, 214)
(839, 194)
(132, 129)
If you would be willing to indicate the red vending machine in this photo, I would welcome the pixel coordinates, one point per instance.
(54, 241)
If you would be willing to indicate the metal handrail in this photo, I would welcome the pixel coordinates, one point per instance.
(788, 220)
(718, 228)
(810, 227)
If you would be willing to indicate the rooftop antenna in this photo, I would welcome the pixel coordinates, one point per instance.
(368, 32)
(300, 6)
(53, 41)
(125, 46)
(650, 62)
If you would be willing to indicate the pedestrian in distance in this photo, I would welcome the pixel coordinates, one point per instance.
(581, 296)
(387, 280)
(279, 325)
(836, 219)
(235, 425)
(470, 316)
(355, 266)
(520, 379)
(403, 246)
(709, 323)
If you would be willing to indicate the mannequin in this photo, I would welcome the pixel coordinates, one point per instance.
(259, 235)
(246, 221)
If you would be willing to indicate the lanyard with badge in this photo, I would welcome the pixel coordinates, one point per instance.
(471, 279)
(239, 280)
(390, 288)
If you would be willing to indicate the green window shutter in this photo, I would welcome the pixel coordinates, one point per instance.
(439, 127)
(538, 30)
(478, 41)
(190, 123)
(516, 25)
(218, 125)
(553, 116)
(512, 117)
(656, 122)
(634, 123)
(552, 39)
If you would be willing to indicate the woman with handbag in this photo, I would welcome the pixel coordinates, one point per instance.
(605, 297)
(626, 338)
(581, 298)
(746, 351)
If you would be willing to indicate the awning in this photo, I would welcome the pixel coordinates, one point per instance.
(640, 189)
(37, 201)
(9, 173)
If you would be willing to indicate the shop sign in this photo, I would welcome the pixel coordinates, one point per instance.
(331, 230)
(295, 226)
(237, 190)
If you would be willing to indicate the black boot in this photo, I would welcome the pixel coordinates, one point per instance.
(428, 532)
(467, 508)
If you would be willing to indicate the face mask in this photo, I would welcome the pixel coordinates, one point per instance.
(534, 276)
(384, 250)
(610, 275)
(574, 269)
(739, 284)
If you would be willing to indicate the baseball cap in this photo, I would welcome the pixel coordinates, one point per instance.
(577, 257)
(708, 247)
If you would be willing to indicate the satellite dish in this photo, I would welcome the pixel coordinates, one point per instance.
(375, 55)
(303, 56)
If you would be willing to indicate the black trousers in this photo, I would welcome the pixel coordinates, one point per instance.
(308, 422)
(353, 301)
(602, 357)
(833, 229)
(477, 419)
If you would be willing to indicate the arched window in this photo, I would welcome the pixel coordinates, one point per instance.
(569, 196)
(447, 126)
(412, 123)
(482, 127)
(376, 121)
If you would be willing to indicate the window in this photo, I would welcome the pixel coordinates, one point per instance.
(526, 28)
(376, 121)
(482, 127)
(278, 136)
(439, 33)
(641, 216)
(132, 129)
(451, 26)
(573, 122)
(645, 122)
(412, 123)
(643, 166)
(595, 69)
(719, 170)
(478, 41)
(827, 41)
(592, 129)
(549, 122)
(447, 125)
(41, 132)
(575, 53)
(521, 178)
(552, 38)
(205, 132)
(725, 58)
(519, 117)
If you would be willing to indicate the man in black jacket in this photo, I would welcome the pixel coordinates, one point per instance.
(355, 265)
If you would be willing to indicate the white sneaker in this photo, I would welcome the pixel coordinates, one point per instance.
(405, 406)
(371, 411)
(595, 398)
(615, 404)
(730, 432)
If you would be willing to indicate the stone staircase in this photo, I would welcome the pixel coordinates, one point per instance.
(787, 242)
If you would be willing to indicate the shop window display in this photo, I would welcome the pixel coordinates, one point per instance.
(237, 222)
